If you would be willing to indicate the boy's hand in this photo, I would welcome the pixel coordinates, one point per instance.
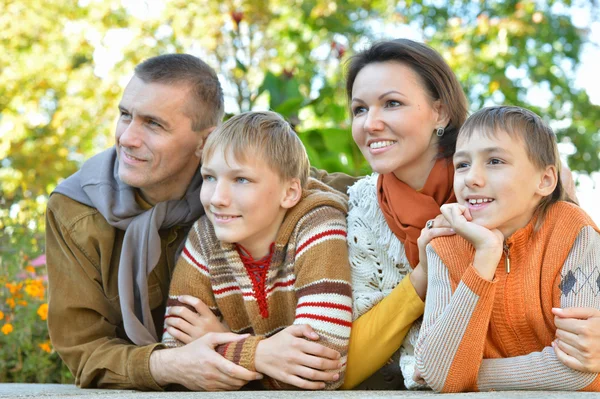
(188, 325)
(577, 343)
(289, 358)
(488, 243)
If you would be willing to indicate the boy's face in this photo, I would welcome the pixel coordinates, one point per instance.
(245, 201)
(495, 179)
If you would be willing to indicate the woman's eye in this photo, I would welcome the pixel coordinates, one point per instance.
(392, 103)
(358, 110)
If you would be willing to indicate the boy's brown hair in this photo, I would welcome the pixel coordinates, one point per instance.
(262, 134)
(527, 126)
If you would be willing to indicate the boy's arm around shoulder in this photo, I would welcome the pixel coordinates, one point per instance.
(82, 320)
(323, 288)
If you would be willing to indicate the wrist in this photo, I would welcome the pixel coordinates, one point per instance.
(258, 356)
(418, 279)
(160, 365)
(486, 261)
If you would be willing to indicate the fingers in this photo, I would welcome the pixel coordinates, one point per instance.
(302, 383)
(440, 221)
(235, 372)
(200, 307)
(569, 350)
(315, 375)
(567, 360)
(575, 326)
(215, 339)
(318, 350)
(576, 313)
(179, 335)
(568, 338)
(302, 330)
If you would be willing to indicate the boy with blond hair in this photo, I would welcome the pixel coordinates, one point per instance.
(270, 254)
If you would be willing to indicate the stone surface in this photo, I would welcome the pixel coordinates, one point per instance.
(69, 391)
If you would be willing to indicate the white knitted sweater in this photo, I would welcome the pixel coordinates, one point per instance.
(378, 262)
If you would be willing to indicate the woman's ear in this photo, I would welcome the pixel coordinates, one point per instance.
(443, 117)
(203, 136)
(548, 181)
(292, 194)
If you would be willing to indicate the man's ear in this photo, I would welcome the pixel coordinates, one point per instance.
(548, 181)
(292, 194)
(203, 136)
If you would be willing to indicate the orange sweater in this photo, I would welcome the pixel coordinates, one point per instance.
(496, 335)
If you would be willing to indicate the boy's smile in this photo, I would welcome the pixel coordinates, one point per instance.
(243, 200)
(496, 180)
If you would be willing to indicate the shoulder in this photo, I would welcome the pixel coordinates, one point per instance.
(568, 214)
(365, 186)
(72, 214)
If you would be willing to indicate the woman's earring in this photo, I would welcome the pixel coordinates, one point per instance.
(439, 131)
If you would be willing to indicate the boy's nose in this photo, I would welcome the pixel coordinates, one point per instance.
(475, 177)
(220, 197)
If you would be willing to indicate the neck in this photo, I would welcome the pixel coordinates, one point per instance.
(259, 247)
(416, 175)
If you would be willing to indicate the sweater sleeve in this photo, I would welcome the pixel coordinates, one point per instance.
(191, 277)
(377, 334)
(450, 346)
(323, 290)
(578, 283)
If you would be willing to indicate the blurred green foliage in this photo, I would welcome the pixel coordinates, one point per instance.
(65, 64)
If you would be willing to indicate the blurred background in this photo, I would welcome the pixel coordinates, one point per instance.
(64, 65)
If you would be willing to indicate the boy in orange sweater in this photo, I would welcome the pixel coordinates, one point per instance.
(520, 250)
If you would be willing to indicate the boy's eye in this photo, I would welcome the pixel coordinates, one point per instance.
(242, 180)
(460, 165)
(496, 161)
(358, 110)
(208, 178)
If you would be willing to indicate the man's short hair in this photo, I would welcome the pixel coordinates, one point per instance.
(205, 107)
(265, 135)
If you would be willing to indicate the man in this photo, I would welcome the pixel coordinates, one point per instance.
(113, 230)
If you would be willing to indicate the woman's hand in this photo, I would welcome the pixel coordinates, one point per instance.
(289, 358)
(187, 325)
(488, 243)
(577, 343)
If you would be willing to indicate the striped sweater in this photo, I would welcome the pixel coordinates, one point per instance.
(496, 335)
(307, 282)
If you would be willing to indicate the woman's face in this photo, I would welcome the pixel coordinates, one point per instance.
(394, 121)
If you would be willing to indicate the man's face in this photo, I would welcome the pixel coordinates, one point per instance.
(156, 147)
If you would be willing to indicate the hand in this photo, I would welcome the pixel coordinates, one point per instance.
(188, 325)
(198, 366)
(441, 227)
(418, 377)
(577, 343)
(488, 243)
(289, 358)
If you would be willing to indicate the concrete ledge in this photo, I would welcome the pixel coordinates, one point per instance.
(69, 391)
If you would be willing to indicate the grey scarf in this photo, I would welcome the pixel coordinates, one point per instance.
(97, 184)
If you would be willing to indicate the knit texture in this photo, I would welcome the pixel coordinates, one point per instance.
(378, 262)
(496, 335)
(308, 280)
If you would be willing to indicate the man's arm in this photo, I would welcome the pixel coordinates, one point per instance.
(82, 321)
(338, 181)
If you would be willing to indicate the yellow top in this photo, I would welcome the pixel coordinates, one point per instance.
(377, 334)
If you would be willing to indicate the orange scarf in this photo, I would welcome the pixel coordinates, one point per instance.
(407, 210)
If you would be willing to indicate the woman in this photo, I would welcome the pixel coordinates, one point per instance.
(407, 107)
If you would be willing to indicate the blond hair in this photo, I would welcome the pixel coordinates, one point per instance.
(538, 137)
(265, 135)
